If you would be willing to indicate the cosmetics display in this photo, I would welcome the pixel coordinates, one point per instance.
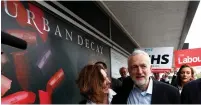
(21, 97)
(28, 36)
(21, 68)
(55, 81)
(44, 59)
(44, 97)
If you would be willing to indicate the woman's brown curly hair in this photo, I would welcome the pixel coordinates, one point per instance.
(90, 82)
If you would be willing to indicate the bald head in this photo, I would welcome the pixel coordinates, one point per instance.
(123, 72)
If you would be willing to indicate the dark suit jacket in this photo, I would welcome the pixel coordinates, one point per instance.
(121, 79)
(83, 102)
(116, 85)
(162, 93)
(191, 93)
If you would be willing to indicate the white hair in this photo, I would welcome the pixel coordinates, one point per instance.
(136, 52)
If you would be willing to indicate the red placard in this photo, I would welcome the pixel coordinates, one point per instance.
(190, 57)
(160, 70)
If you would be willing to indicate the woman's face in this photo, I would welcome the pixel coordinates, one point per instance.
(186, 75)
(106, 83)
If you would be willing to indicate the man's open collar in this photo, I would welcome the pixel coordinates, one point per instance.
(150, 86)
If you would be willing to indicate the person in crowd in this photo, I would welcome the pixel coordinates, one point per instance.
(156, 76)
(123, 72)
(174, 79)
(184, 75)
(165, 78)
(191, 93)
(116, 84)
(94, 85)
(139, 88)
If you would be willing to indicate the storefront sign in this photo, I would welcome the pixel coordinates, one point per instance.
(53, 44)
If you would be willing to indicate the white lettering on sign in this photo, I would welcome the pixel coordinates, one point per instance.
(80, 40)
(45, 25)
(57, 32)
(31, 20)
(189, 60)
(89, 44)
(69, 35)
(31, 16)
(6, 9)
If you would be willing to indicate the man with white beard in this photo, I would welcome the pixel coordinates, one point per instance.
(140, 88)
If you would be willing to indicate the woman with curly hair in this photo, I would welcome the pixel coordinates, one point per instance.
(95, 85)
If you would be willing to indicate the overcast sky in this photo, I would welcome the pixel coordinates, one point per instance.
(194, 34)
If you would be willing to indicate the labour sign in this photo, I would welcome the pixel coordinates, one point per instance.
(161, 57)
(191, 57)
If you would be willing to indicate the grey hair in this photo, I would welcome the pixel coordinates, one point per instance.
(136, 52)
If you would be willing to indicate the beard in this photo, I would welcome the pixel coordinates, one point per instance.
(142, 82)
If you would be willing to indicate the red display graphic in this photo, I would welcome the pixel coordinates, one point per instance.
(29, 37)
(22, 97)
(38, 21)
(21, 68)
(191, 57)
(32, 17)
(5, 84)
(55, 81)
(15, 8)
(44, 97)
(160, 70)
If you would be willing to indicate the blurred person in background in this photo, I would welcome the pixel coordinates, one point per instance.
(184, 75)
(123, 72)
(157, 76)
(174, 78)
(165, 78)
(94, 85)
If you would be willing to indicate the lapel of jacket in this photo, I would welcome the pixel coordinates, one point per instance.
(127, 87)
(196, 95)
(199, 90)
(155, 97)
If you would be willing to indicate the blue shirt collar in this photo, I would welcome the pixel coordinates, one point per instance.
(149, 89)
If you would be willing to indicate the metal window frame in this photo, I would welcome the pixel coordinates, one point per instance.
(116, 20)
(49, 7)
